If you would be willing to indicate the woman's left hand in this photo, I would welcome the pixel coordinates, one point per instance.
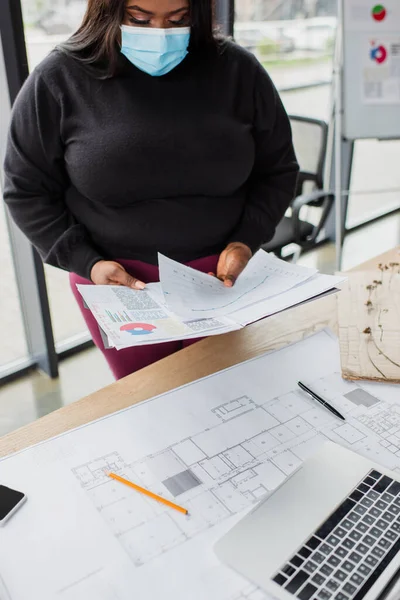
(232, 262)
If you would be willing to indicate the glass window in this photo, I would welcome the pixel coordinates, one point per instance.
(293, 39)
(13, 344)
(47, 23)
(311, 102)
(375, 180)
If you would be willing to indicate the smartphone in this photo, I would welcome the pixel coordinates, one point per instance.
(10, 502)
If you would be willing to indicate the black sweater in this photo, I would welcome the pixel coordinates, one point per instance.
(134, 165)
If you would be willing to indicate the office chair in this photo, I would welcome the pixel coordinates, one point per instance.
(310, 141)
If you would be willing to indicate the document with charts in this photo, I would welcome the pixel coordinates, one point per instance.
(215, 447)
(188, 304)
(193, 294)
(140, 317)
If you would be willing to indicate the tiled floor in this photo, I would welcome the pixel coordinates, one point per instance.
(35, 395)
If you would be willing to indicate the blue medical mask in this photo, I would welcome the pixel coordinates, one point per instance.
(155, 51)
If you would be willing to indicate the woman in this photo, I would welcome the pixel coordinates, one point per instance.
(145, 133)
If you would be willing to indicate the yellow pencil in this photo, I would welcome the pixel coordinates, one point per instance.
(147, 493)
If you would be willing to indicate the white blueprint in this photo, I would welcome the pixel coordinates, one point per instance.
(215, 447)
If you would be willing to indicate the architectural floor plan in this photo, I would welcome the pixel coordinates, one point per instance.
(216, 447)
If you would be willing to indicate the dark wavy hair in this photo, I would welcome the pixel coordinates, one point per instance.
(96, 43)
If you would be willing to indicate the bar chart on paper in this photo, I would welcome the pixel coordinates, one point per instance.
(118, 317)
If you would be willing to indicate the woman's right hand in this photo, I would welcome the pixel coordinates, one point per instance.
(108, 272)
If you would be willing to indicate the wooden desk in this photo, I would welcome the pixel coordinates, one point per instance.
(199, 360)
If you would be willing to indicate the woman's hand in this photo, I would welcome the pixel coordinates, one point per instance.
(108, 272)
(232, 262)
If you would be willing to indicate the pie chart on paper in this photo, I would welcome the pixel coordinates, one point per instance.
(379, 12)
(138, 328)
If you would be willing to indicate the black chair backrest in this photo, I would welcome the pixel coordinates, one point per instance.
(310, 138)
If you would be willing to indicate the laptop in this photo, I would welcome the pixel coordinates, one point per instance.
(330, 532)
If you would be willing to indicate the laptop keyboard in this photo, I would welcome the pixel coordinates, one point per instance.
(350, 550)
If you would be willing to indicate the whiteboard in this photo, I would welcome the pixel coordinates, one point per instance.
(371, 69)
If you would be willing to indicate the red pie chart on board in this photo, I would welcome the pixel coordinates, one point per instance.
(379, 54)
(379, 12)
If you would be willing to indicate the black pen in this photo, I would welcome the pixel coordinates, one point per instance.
(320, 400)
